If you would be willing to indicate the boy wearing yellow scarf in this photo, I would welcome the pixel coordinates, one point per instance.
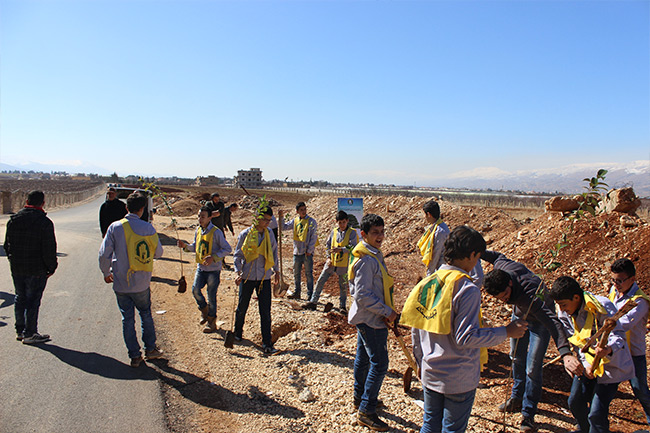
(339, 243)
(256, 261)
(582, 314)
(432, 242)
(371, 312)
(625, 288)
(443, 310)
(210, 247)
(304, 243)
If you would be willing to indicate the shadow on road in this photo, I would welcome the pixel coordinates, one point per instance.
(95, 363)
(8, 299)
(214, 396)
(168, 281)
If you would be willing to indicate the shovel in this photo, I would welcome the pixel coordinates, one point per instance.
(229, 341)
(408, 374)
(281, 288)
(182, 284)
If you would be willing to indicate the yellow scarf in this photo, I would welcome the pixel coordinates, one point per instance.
(580, 336)
(359, 251)
(203, 244)
(428, 306)
(252, 249)
(639, 294)
(140, 250)
(300, 229)
(340, 259)
(425, 244)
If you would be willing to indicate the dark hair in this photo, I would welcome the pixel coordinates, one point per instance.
(624, 266)
(462, 242)
(35, 198)
(111, 189)
(341, 215)
(266, 211)
(300, 204)
(496, 281)
(214, 194)
(135, 202)
(206, 209)
(233, 205)
(371, 220)
(433, 208)
(564, 288)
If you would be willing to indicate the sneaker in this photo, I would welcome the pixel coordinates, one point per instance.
(36, 339)
(527, 425)
(237, 339)
(270, 350)
(372, 421)
(153, 354)
(293, 295)
(343, 310)
(19, 336)
(357, 403)
(310, 306)
(511, 406)
(135, 362)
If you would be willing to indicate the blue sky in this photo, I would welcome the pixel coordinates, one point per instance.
(349, 91)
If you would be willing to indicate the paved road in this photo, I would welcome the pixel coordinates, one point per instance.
(81, 380)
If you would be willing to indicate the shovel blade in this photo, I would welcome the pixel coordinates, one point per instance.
(182, 285)
(229, 342)
(406, 379)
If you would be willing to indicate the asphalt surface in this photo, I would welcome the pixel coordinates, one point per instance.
(80, 381)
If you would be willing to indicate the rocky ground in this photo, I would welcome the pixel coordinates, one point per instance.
(307, 386)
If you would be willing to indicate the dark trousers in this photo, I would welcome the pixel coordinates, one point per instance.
(589, 403)
(263, 289)
(29, 291)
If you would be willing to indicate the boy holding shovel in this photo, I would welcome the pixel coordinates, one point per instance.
(338, 242)
(372, 311)
(210, 247)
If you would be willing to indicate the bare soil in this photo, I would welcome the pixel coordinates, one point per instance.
(307, 386)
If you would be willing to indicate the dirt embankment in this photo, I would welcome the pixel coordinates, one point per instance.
(307, 387)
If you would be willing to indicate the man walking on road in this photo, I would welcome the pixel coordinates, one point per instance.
(30, 245)
(126, 260)
(113, 209)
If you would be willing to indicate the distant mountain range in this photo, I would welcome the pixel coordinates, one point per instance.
(567, 179)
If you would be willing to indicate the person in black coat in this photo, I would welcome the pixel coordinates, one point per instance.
(111, 210)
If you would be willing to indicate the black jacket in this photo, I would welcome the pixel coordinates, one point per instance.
(524, 286)
(30, 243)
(109, 212)
(217, 220)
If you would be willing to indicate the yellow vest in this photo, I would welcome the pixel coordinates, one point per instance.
(428, 306)
(340, 259)
(359, 251)
(580, 336)
(425, 244)
(140, 249)
(203, 245)
(252, 250)
(639, 294)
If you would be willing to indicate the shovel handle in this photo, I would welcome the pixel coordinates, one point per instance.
(407, 353)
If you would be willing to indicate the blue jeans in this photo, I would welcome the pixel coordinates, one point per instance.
(142, 301)
(527, 366)
(448, 413)
(201, 278)
(370, 366)
(264, 303)
(640, 384)
(309, 273)
(328, 271)
(29, 292)
(589, 403)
